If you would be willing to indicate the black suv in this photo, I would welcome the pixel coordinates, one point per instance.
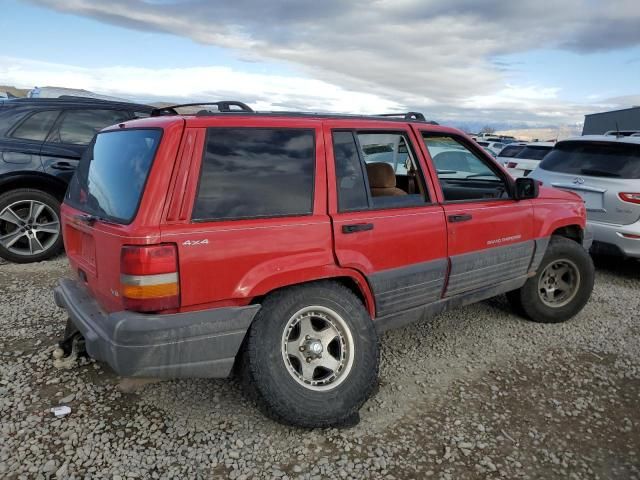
(41, 142)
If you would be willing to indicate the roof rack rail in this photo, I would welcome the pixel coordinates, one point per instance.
(406, 116)
(223, 106)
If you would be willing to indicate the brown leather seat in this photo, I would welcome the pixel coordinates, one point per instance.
(382, 180)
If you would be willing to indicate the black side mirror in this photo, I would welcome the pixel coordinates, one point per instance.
(526, 188)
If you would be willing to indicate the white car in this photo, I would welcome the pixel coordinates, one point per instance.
(528, 159)
(510, 151)
(495, 147)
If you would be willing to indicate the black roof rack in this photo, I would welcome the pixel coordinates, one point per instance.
(223, 106)
(232, 106)
(406, 116)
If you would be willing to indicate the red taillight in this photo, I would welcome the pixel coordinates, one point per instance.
(630, 197)
(149, 277)
(512, 165)
(630, 235)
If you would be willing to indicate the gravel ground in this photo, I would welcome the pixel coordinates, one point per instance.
(477, 393)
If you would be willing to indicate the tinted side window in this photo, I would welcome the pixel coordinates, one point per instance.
(79, 126)
(36, 126)
(256, 172)
(511, 151)
(533, 152)
(352, 193)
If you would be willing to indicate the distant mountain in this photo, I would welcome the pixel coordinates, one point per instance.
(544, 133)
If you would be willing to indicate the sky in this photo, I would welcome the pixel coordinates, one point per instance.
(462, 62)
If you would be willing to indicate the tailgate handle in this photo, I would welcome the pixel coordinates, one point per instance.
(463, 217)
(357, 227)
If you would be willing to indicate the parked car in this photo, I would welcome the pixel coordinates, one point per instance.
(274, 244)
(510, 151)
(41, 141)
(528, 158)
(495, 147)
(605, 171)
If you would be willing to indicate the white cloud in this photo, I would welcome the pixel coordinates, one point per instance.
(265, 92)
(358, 56)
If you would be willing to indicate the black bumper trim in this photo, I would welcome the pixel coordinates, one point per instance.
(194, 344)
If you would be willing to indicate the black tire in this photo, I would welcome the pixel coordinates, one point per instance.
(528, 302)
(25, 195)
(273, 387)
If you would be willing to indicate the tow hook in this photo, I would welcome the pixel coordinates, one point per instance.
(66, 354)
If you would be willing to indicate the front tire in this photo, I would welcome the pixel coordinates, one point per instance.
(29, 226)
(311, 357)
(560, 288)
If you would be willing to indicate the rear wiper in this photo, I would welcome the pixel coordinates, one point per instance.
(598, 173)
(91, 219)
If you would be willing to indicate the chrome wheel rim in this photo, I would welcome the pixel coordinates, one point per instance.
(559, 283)
(317, 348)
(28, 227)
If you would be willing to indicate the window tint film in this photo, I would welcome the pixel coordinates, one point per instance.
(37, 126)
(511, 151)
(256, 172)
(606, 159)
(393, 173)
(352, 193)
(462, 174)
(533, 153)
(79, 126)
(112, 173)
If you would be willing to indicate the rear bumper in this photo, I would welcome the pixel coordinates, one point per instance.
(609, 238)
(194, 344)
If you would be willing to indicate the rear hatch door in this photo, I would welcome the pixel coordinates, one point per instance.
(115, 198)
(600, 172)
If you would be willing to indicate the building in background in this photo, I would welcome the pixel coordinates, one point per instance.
(599, 123)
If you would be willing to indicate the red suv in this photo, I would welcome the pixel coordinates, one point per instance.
(282, 244)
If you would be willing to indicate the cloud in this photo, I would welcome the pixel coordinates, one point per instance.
(265, 92)
(413, 50)
(371, 55)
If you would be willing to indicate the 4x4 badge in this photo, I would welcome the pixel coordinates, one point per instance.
(193, 243)
(578, 180)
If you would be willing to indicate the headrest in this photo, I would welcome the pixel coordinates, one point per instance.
(381, 175)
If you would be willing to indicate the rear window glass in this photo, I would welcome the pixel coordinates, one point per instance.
(37, 126)
(256, 172)
(112, 173)
(511, 151)
(606, 159)
(533, 153)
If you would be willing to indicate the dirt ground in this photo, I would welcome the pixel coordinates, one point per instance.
(476, 393)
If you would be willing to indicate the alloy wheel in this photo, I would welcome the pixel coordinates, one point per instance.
(28, 227)
(317, 348)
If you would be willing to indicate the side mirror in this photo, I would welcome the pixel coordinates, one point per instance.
(526, 188)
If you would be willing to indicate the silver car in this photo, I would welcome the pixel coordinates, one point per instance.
(605, 171)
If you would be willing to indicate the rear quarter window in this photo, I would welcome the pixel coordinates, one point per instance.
(599, 159)
(256, 173)
(78, 127)
(36, 126)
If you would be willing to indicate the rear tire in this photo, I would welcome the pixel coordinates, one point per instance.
(311, 356)
(29, 226)
(560, 288)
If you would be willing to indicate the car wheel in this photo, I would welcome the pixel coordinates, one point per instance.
(29, 226)
(311, 356)
(560, 288)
